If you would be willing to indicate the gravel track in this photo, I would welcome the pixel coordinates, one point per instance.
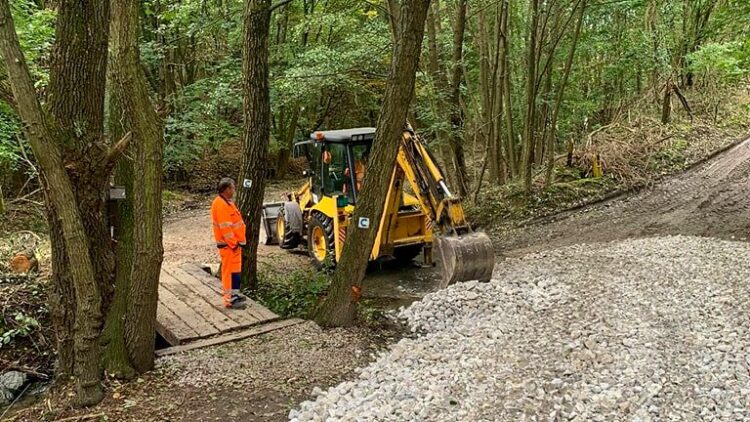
(647, 329)
(713, 199)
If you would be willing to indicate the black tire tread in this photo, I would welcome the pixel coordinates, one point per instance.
(291, 240)
(319, 219)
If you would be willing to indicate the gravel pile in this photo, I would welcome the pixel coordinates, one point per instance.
(649, 329)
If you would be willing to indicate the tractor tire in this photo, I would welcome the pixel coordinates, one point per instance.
(321, 241)
(406, 254)
(288, 237)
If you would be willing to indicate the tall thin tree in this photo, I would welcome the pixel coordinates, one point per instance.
(339, 308)
(257, 129)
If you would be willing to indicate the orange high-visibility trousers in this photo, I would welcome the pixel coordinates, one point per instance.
(231, 270)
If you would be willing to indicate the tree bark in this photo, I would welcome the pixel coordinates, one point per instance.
(60, 191)
(531, 94)
(257, 129)
(340, 306)
(115, 355)
(286, 138)
(666, 104)
(133, 96)
(506, 97)
(456, 117)
(560, 93)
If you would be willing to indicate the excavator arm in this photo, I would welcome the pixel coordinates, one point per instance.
(464, 254)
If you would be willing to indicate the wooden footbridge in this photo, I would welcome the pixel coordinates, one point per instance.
(191, 314)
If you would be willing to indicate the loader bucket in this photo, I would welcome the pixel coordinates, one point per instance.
(269, 213)
(465, 257)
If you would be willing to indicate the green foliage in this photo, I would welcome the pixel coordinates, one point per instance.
(671, 158)
(10, 152)
(21, 326)
(35, 27)
(207, 113)
(292, 295)
(498, 205)
(725, 62)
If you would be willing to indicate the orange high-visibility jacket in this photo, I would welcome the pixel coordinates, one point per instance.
(229, 229)
(359, 173)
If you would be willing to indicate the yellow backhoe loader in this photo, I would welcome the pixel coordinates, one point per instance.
(418, 204)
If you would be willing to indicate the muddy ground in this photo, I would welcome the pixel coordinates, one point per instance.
(712, 199)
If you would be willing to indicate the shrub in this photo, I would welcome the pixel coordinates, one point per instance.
(292, 295)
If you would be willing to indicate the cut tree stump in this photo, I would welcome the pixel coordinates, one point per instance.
(24, 262)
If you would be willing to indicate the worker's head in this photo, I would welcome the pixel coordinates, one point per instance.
(226, 188)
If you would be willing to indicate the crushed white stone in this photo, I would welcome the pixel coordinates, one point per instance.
(648, 329)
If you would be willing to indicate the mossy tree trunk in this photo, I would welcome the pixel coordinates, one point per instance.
(76, 229)
(145, 252)
(76, 160)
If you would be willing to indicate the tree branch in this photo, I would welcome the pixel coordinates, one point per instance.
(279, 4)
(119, 148)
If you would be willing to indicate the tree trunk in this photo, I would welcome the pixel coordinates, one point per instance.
(132, 94)
(257, 129)
(531, 94)
(62, 198)
(115, 355)
(287, 142)
(394, 11)
(506, 97)
(666, 104)
(340, 306)
(456, 117)
(560, 93)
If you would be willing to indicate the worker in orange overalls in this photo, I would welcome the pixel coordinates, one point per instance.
(359, 171)
(229, 233)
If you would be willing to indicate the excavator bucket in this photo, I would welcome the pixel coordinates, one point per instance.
(465, 257)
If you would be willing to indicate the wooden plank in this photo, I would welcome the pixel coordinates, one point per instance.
(243, 317)
(196, 302)
(211, 295)
(226, 338)
(189, 316)
(259, 311)
(254, 309)
(171, 327)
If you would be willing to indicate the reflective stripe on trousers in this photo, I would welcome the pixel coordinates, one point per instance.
(231, 270)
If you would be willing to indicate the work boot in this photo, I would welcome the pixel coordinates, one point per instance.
(238, 305)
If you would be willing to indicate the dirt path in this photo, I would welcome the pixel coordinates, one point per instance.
(188, 237)
(712, 199)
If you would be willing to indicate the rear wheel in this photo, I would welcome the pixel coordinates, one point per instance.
(320, 240)
(288, 239)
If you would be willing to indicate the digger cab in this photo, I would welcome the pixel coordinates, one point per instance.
(337, 159)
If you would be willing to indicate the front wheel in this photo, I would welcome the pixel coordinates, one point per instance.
(320, 241)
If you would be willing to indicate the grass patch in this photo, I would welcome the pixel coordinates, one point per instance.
(293, 294)
(500, 205)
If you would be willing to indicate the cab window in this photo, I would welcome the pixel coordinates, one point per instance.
(335, 162)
